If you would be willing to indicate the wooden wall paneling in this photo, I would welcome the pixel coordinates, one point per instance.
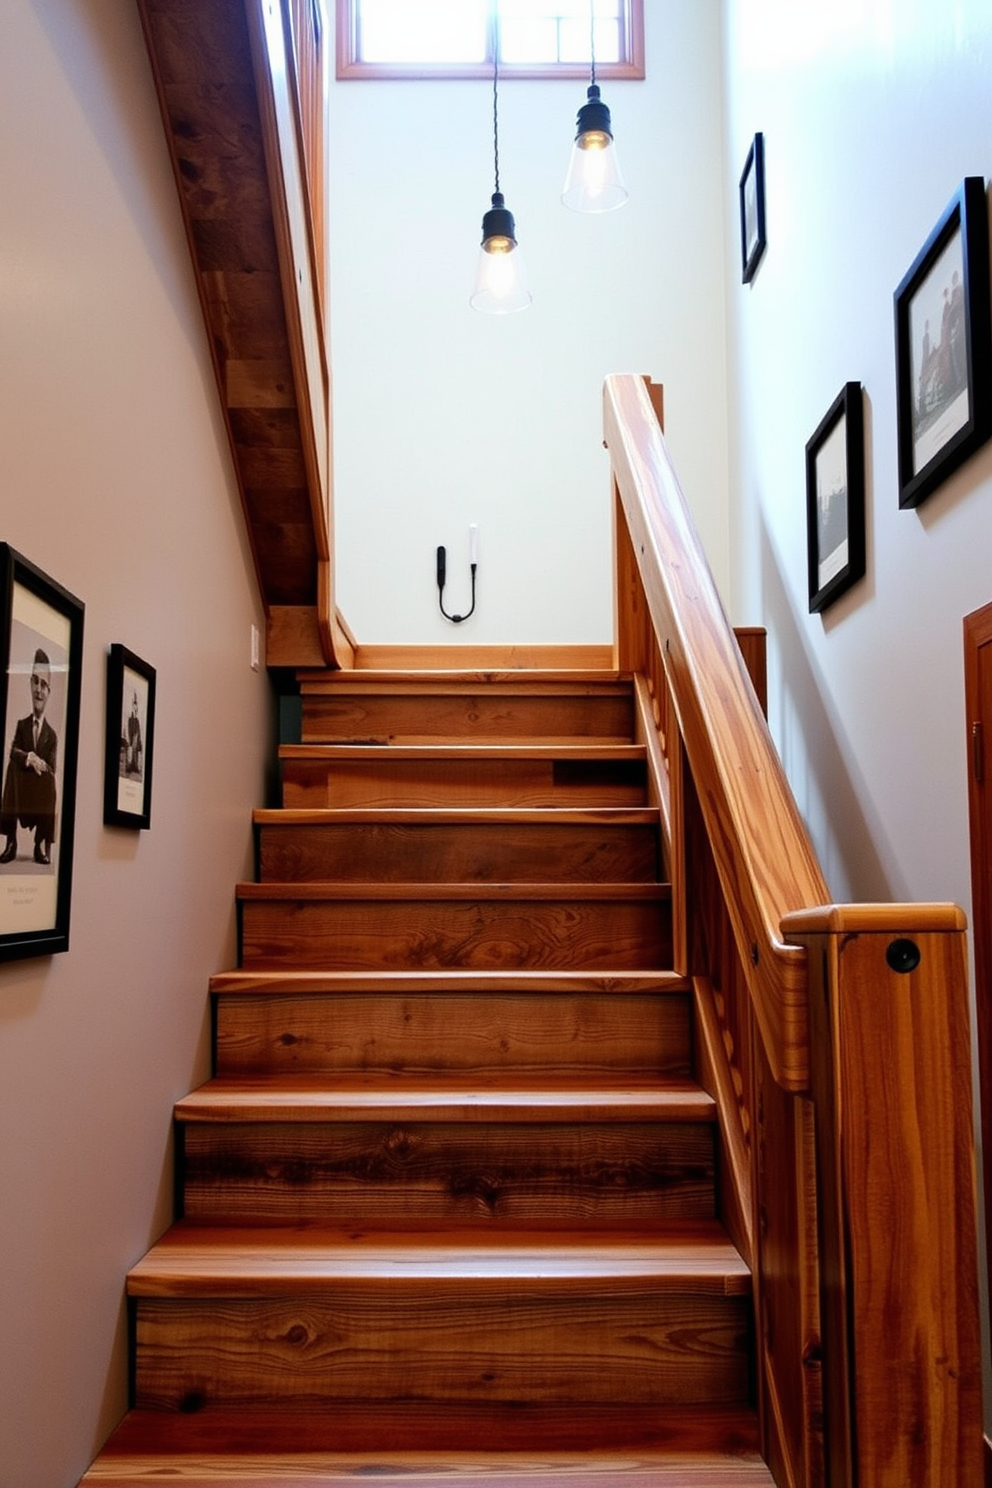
(286, 171)
(257, 277)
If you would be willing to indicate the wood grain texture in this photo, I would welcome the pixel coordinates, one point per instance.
(900, 1290)
(482, 659)
(444, 847)
(560, 1164)
(322, 776)
(766, 862)
(496, 713)
(597, 1447)
(219, 114)
(454, 926)
(543, 1031)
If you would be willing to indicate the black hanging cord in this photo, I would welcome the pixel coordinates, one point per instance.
(592, 42)
(495, 34)
(442, 567)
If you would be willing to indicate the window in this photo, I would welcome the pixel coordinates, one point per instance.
(454, 38)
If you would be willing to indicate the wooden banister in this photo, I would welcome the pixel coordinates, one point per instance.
(834, 1039)
(745, 797)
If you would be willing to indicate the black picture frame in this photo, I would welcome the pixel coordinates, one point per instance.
(130, 740)
(835, 499)
(944, 383)
(41, 643)
(752, 208)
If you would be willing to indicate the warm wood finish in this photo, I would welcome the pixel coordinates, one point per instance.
(527, 1024)
(978, 745)
(566, 1161)
(460, 776)
(603, 846)
(435, 926)
(597, 1447)
(419, 659)
(454, 1157)
(853, 1197)
(900, 1320)
(763, 854)
(377, 1098)
(494, 713)
(231, 115)
(550, 1318)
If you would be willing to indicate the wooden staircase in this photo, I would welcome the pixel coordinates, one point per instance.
(450, 1203)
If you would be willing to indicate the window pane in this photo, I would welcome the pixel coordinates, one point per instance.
(428, 31)
(529, 39)
(452, 38)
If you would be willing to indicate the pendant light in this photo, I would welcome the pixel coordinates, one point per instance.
(594, 182)
(500, 281)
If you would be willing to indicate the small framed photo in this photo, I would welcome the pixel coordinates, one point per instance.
(127, 771)
(944, 348)
(835, 499)
(41, 640)
(752, 195)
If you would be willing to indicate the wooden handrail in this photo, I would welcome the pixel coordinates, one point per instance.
(763, 853)
(834, 1039)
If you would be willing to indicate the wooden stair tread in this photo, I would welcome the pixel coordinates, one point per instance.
(238, 982)
(467, 751)
(378, 1098)
(243, 1261)
(591, 681)
(548, 1446)
(598, 816)
(418, 892)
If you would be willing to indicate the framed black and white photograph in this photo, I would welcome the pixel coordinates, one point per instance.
(752, 204)
(41, 638)
(127, 774)
(944, 348)
(835, 499)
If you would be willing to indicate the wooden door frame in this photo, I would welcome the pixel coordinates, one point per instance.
(978, 633)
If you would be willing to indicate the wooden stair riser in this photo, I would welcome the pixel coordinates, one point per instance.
(478, 1341)
(498, 713)
(471, 933)
(380, 1172)
(467, 852)
(328, 780)
(486, 1033)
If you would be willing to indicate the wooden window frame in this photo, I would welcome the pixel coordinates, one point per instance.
(348, 68)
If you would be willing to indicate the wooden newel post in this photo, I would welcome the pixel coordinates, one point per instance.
(891, 1086)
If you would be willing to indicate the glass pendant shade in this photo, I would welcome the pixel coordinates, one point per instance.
(594, 182)
(500, 280)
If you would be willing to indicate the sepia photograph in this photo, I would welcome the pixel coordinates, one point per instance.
(42, 639)
(130, 725)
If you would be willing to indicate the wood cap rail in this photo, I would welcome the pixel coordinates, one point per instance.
(763, 854)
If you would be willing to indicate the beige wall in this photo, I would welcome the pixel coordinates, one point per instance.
(115, 479)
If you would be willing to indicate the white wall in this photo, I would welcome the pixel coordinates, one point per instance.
(115, 479)
(445, 417)
(872, 111)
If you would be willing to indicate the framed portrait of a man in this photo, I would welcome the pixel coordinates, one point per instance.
(41, 641)
(127, 775)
